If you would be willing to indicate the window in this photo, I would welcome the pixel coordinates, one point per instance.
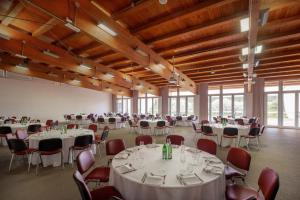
(147, 104)
(181, 102)
(289, 109)
(291, 86)
(271, 86)
(123, 104)
(226, 100)
(272, 109)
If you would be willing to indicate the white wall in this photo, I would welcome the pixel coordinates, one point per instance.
(44, 99)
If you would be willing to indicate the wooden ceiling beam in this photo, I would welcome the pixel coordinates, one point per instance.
(12, 14)
(124, 42)
(131, 8)
(90, 46)
(45, 27)
(182, 13)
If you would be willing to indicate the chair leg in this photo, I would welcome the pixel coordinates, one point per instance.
(221, 140)
(11, 161)
(257, 142)
(29, 162)
(239, 144)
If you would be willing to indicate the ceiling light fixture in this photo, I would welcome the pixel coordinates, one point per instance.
(107, 29)
(173, 79)
(51, 54)
(257, 63)
(163, 2)
(244, 24)
(263, 17)
(4, 36)
(257, 50)
(71, 26)
(245, 66)
(82, 65)
(138, 50)
(147, 68)
(109, 75)
(21, 55)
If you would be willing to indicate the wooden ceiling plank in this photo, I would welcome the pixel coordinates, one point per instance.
(12, 14)
(182, 13)
(131, 8)
(45, 27)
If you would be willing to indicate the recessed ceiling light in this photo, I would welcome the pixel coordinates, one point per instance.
(49, 53)
(85, 66)
(163, 2)
(258, 49)
(4, 36)
(20, 56)
(71, 26)
(244, 24)
(245, 66)
(245, 51)
(107, 29)
(110, 75)
(147, 68)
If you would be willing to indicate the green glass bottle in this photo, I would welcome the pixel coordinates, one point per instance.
(164, 152)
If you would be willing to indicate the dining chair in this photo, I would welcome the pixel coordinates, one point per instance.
(81, 143)
(268, 185)
(147, 139)
(179, 120)
(230, 133)
(48, 147)
(132, 127)
(34, 128)
(122, 122)
(144, 125)
(22, 134)
(171, 126)
(253, 134)
(93, 127)
(112, 123)
(3, 131)
(196, 130)
(175, 139)
(240, 121)
(85, 162)
(18, 147)
(103, 193)
(72, 126)
(160, 126)
(99, 140)
(49, 124)
(238, 164)
(208, 132)
(101, 122)
(113, 147)
(207, 145)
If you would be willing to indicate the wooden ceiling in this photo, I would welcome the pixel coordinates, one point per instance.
(201, 39)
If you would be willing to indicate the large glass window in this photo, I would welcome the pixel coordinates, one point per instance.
(123, 104)
(173, 106)
(238, 107)
(147, 104)
(181, 102)
(289, 108)
(215, 106)
(190, 105)
(182, 106)
(272, 109)
(227, 105)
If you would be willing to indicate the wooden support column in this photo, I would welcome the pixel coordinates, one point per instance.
(248, 102)
(164, 93)
(113, 103)
(258, 99)
(202, 92)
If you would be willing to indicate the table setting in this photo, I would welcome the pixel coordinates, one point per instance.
(141, 173)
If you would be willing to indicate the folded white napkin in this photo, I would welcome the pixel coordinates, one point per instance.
(122, 156)
(123, 169)
(193, 150)
(213, 170)
(154, 179)
(190, 179)
(152, 145)
(214, 160)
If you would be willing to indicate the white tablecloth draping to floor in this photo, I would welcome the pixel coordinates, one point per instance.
(116, 125)
(152, 124)
(232, 120)
(1, 121)
(184, 121)
(219, 128)
(67, 141)
(149, 160)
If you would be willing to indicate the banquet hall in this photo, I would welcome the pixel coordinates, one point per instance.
(149, 99)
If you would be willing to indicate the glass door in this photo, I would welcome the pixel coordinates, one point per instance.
(272, 109)
(289, 108)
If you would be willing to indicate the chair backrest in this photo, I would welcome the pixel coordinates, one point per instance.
(85, 160)
(254, 125)
(215, 119)
(175, 139)
(194, 126)
(262, 130)
(189, 118)
(78, 117)
(83, 188)
(205, 121)
(268, 183)
(114, 146)
(34, 128)
(21, 134)
(207, 129)
(72, 126)
(239, 158)
(252, 120)
(207, 145)
(130, 122)
(51, 144)
(49, 122)
(240, 122)
(5, 130)
(172, 122)
(83, 140)
(105, 133)
(111, 120)
(16, 145)
(144, 124)
(254, 131)
(100, 120)
(147, 139)
(142, 116)
(160, 123)
(230, 131)
(93, 127)
(179, 118)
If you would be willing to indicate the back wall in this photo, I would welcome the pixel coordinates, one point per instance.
(43, 99)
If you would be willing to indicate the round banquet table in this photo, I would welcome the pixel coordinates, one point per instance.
(132, 186)
(16, 126)
(218, 128)
(184, 121)
(117, 124)
(152, 124)
(67, 141)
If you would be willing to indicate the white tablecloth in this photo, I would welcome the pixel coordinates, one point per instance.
(184, 121)
(152, 124)
(16, 126)
(1, 121)
(218, 128)
(67, 141)
(232, 121)
(131, 186)
(116, 125)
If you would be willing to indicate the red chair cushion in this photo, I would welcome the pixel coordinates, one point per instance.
(231, 172)
(238, 192)
(105, 193)
(99, 173)
(50, 152)
(27, 151)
